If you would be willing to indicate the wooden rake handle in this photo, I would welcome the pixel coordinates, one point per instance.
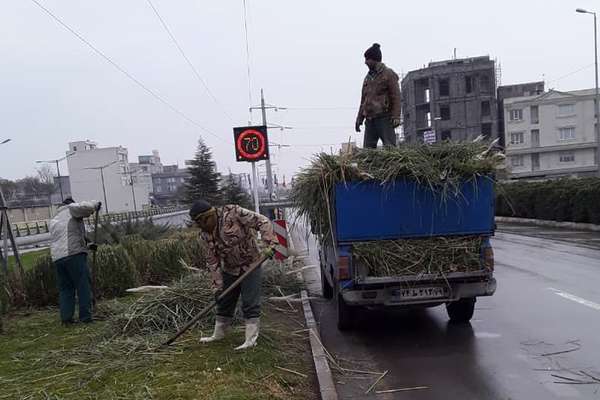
(213, 303)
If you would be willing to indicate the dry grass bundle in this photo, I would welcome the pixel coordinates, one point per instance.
(437, 255)
(170, 309)
(443, 167)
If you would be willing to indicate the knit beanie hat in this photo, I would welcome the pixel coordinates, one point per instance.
(373, 53)
(199, 207)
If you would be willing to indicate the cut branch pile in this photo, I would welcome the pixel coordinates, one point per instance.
(442, 167)
(437, 255)
(167, 310)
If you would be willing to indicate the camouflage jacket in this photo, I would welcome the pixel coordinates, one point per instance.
(232, 247)
(380, 94)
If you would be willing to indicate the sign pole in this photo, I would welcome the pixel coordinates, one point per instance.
(255, 187)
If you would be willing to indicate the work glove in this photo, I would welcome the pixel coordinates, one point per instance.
(395, 122)
(92, 246)
(98, 206)
(358, 124)
(269, 252)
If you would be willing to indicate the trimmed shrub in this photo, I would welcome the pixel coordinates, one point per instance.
(575, 200)
(115, 271)
(40, 287)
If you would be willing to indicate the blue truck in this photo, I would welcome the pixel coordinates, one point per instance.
(369, 211)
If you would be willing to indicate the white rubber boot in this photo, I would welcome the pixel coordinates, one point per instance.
(222, 325)
(252, 328)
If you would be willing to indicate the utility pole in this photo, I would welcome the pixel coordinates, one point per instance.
(62, 196)
(597, 95)
(268, 162)
(264, 107)
(101, 168)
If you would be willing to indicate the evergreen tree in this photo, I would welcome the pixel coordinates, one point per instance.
(204, 182)
(233, 193)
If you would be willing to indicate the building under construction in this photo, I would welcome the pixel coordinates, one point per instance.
(450, 100)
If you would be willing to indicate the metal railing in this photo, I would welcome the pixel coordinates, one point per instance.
(31, 228)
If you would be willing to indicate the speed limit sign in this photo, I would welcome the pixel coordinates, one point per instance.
(251, 143)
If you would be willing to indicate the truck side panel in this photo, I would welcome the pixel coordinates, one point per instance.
(405, 209)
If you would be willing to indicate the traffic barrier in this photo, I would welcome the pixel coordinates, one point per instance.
(280, 229)
(32, 228)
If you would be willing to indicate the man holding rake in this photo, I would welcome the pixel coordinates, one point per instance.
(230, 235)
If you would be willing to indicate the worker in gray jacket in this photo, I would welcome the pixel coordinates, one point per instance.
(69, 248)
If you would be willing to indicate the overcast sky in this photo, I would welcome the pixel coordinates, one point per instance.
(306, 55)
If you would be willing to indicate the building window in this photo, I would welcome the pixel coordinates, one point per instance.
(444, 87)
(486, 129)
(485, 108)
(516, 115)
(535, 137)
(445, 113)
(567, 156)
(74, 148)
(535, 114)
(517, 138)
(535, 161)
(446, 135)
(469, 84)
(484, 84)
(565, 110)
(567, 133)
(516, 161)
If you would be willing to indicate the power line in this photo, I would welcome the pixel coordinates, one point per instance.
(318, 108)
(570, 73)
(194, 70)
(248, 61)
(124, 72)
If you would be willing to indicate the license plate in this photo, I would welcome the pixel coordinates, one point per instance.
(420, 293)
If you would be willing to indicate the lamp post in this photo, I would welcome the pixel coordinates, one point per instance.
(101, 168)
(597, 102)
(62, 196)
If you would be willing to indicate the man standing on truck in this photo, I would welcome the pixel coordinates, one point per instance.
(230, 235)
(380, 101)
(69, 248)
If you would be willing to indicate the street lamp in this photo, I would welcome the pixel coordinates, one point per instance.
(597, 102)
(62, 197)
(101, 168)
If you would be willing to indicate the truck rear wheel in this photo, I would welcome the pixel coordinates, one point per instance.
(326, 288)
(345, 313)
(461, 311)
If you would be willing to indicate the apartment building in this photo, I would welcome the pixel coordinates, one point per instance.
(103, 173)
(450, 100)
(168, 185)
(551, 135)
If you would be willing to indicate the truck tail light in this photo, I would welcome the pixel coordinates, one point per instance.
(488, 258)
(343, 264)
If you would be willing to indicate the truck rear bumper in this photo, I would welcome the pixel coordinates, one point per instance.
(388, 296)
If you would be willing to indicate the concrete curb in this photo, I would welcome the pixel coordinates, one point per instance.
(552, 224)
(324, 376)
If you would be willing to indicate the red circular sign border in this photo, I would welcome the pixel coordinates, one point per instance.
(261, 138)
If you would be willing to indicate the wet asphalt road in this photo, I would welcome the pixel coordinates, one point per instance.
(547, 302)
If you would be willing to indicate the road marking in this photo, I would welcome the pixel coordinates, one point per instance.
(577, 299)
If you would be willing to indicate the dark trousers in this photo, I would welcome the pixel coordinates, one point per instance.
(250, 292)
(73, 277)
(379, 128)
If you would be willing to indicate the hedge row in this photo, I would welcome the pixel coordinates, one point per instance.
(575, 200)
(132, 263)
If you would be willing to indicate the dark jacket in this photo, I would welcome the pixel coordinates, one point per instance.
(380, 94)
